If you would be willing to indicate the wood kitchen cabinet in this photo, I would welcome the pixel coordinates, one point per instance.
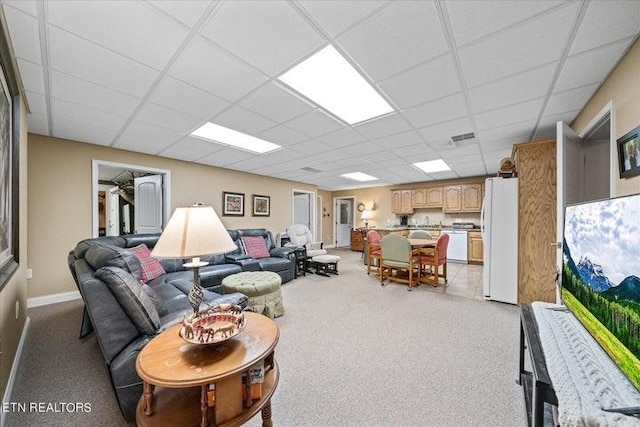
(401, 202)
(419, 198)
(463, 198)
(474, 247)
(357, 240)
(434, 197)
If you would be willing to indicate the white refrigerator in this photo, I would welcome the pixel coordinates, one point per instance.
(499, 222)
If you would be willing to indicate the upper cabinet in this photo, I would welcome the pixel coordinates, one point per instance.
(401, 202)
(434, 197)
(463, 198)
(419, 198)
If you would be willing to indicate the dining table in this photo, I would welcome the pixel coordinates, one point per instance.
(423, 243)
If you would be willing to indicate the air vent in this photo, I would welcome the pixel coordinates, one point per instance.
(312, 170)
(462, 140)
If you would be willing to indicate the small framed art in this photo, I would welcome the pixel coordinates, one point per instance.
(261, 205)
(233, 204)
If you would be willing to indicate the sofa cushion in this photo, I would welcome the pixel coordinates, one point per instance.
(255, 247)
(133, 299)
(151, 267)
(98, 256)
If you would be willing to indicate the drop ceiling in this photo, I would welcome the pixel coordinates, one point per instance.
(142, 75)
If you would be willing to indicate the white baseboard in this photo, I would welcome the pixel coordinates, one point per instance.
(52, 299)
(14, 369)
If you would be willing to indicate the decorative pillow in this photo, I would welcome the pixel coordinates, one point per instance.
(255, 246)
(133, 299)
(151, 267)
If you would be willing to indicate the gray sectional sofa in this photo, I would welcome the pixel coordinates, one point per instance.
(125, 314)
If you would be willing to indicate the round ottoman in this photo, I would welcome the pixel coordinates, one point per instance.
(261, 287)
(326, 264)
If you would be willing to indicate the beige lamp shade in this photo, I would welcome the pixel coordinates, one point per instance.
(193, 232)
(366, 214)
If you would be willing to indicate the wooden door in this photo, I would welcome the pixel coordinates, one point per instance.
(406, 202)
(396, 201)
(475, 247)
(148, 204)
(452, 199)
(472, 198)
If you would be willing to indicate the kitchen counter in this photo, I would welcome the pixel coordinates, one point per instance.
(419, 227)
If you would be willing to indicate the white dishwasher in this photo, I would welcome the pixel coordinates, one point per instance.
(457, 249)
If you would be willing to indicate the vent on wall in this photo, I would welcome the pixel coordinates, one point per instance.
(309, 169)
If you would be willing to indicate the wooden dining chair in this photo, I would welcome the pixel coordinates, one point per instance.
(373, 251)
(420, 234)
(432, 258)
(398, 262)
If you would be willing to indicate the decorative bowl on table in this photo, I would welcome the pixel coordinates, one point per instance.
(213, 325)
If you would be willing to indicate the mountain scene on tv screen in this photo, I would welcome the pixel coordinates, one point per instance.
(602, 264)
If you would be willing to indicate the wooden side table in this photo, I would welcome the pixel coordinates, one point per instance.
(177, 376)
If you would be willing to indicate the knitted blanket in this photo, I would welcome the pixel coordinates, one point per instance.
(584, 378)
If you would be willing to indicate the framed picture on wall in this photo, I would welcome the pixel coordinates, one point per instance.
(232, 204)
(261, 205)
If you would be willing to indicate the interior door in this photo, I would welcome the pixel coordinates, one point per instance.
(148, 204)
(302, 210)
(113, 212)
(570, 178)
(344, 222)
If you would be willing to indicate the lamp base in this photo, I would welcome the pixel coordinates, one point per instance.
(196, 294)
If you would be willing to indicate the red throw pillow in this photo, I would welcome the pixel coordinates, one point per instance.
(255, 246)
(151, 267)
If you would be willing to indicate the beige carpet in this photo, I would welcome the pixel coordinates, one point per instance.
(351, 353)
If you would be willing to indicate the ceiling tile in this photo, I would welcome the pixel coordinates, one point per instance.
(426, 82)
(606, 22)
(512, 114)
(79, 131)
(282, 135)
(569, 100)
(276, 103)
(180, 96)
(119, 28)
(314, 123)
(361, 148)
(400, 36)
(471, 20)
(335, 17)
(38, 123)
(397, 141)
(445, 130)
(225, 157)
(590, 67)
(341, 138)
(166, 118)
(311, 147)
(498, 144)
(281, 38)
(384, 126)
(185, 11)
(211, 69)
(28, 6)
(32, 76)
(25, 35)
(191, 149)
(73, 89)
(513, 89)
(80, 58)
(416, 152)
(146, 138)
(243, 120)
(442, 110)
(526, 46)
(469, 170)
(37, 103)
(82, 114)
(517, 132)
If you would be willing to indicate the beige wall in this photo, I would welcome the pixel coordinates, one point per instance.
(60, 200)
(327, 215)
(623, 86)
(16, 290)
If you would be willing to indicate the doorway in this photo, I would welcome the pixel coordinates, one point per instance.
(304, 210)
(344, 213)
(128, 198)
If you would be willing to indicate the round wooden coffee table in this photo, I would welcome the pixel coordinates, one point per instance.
(190, 384)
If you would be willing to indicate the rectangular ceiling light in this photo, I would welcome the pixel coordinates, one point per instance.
(327, 79)
(359, 176)
(225, 136)
(432, 166)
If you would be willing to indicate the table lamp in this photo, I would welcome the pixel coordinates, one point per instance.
(366, 215)
(192, 232)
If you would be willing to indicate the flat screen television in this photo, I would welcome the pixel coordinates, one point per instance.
(629, 153)
(601, 276)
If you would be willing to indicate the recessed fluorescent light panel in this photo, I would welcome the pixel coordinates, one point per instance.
(225, 136)
(327, 79)
(359, 176)
(432, 166)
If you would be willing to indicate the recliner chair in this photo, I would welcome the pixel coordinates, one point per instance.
(300, 235)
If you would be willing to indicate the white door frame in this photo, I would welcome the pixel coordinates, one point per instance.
(95, 165)
(607, 112)
(312, 209)
(336, 213)
(319, 237)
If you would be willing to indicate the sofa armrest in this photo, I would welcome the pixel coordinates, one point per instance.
(236, 257)
(247, 264)
(283, 252)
